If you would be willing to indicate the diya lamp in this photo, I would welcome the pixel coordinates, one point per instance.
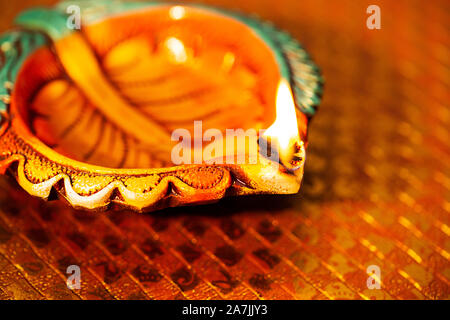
(88, 110)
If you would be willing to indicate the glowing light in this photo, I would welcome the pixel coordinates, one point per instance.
(177, 12)
(285, 127)
(176, 49)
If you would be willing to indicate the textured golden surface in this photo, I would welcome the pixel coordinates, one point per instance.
(376, 188)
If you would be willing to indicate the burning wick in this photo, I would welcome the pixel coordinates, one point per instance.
(283, 133)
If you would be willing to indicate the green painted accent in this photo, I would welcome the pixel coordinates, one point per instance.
(15, 47)
(53, 22)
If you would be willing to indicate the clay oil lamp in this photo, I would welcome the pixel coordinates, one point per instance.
(139, 105)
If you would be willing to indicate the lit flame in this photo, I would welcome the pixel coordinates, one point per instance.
(284, 131)
(176, 49)
(285, 127)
